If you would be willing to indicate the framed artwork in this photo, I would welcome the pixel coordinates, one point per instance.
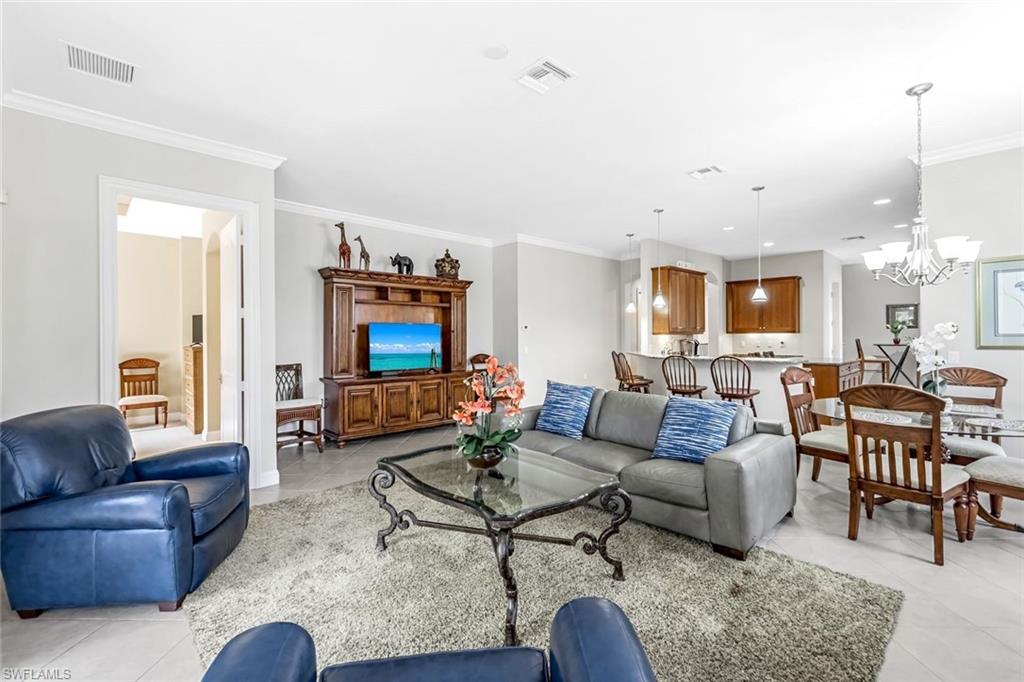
(902, 312)
(999, 303)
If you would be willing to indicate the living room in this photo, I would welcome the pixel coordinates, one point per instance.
(598, 281)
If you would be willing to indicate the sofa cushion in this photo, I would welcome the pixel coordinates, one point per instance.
(693, 430)
(505, 664)
(668, 480)
(742, 424)
(631, 419)
(608, 457)
(565, 409)
(211, 499)
(542, 441)
(590, 428)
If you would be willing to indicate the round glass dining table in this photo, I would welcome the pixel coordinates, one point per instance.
(974, 421)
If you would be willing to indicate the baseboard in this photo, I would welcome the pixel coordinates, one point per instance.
(144, 417)
(267, 479)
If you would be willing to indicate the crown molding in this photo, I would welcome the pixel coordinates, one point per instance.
(565, 246)
(382, 223)
(70, 113)
(976, 148)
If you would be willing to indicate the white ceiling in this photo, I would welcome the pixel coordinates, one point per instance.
(392, 111)
(161, 219)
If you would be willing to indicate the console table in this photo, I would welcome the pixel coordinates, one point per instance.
(896, 353)
(358, 404)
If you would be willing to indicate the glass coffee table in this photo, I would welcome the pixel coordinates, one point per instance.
(526, 486)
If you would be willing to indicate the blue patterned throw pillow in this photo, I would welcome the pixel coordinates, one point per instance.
(692, 430)
(565, 409)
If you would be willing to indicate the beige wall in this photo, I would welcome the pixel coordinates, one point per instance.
(864, 302)
(51, 172)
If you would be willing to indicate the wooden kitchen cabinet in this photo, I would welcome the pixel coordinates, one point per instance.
(683, 290)
(779, 314)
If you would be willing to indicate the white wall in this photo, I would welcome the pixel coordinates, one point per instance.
(982, 197)
(864, 302)
(568, 315)
(505, 268)
(812, 341)
(51, 172)
(305, 244)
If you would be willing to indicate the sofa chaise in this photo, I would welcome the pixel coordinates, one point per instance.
(730, 500)
(81, 524)
(592, 640)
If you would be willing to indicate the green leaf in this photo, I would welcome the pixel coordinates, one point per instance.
(513, 435)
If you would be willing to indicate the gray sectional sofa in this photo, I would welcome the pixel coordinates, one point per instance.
(731, 500)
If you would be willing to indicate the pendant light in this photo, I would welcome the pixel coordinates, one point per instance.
(659, 298)
(631, 306)
(759, 295)
(911, 264)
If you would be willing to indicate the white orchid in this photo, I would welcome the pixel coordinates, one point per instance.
(926, 348)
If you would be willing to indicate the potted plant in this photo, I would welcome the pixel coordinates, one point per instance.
(494, 415)
(926, 351)
(896, 328)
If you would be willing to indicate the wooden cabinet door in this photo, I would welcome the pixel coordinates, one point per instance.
(458, 345)
(458, 392)
(691, 311)
(697, 284)
(781, 313)
(742, 316)
(360, 408)
(398, 403)
(339, 331)
(431, 402)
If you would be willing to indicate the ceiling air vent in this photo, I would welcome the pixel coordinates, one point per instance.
(702, 173)
(852, 238)
(100, 65)
(544, 75)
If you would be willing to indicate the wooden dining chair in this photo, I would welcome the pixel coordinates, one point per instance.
(681, 376)
(292, 408)
(903, 461)
(812, 438)
(872, 363)
(478, 362)
(624, 375)
(140, 387)
(731, 377)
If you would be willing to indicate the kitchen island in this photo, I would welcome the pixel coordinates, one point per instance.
(764, 376)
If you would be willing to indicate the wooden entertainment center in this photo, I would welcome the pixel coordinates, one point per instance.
(358, 404)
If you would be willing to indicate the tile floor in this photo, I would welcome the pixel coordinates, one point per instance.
(960, 622)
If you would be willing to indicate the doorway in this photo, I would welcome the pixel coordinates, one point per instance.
(226, 287)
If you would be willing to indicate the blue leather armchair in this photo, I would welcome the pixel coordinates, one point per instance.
(592, 640)
(81, 524)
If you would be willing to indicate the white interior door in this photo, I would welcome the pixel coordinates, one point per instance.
(230, 333)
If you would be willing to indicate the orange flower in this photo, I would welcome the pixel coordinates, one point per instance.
(513, 410)
(478, 386)
(511, 369)
(463, 418)
(515, 392)
(501, 375)
(483, 406)
(492, 365)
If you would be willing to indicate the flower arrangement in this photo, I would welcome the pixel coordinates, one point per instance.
(926, 351)
(494, 413)
(896, 328)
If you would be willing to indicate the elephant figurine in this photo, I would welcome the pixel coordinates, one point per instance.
(402, 263)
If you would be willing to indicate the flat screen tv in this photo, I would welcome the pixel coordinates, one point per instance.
(398, 346)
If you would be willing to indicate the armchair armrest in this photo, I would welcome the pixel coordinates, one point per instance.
(211, 459)
(529, 420)
(750, 486)
(592, 640)
(147, 504)
(274, 652)
(773, 427)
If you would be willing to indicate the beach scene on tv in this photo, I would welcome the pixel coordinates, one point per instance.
(399, 346)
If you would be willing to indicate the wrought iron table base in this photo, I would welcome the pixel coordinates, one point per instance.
(503, 539)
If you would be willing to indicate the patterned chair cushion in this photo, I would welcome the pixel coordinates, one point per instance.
(832, 438)
(974, 448)
(565, 409)
(130, 400)
(1001, 470)
(692, 430)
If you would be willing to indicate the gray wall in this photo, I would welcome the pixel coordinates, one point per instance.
(864, 302)
(505, 267)
(305, 244)
(983, 197)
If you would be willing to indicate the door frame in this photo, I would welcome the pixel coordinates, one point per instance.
(248, 213)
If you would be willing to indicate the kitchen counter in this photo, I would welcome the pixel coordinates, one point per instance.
(791, 360)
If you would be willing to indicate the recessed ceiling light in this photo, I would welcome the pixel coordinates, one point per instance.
(495, 52)
(900, 225)
(769, 244)
(728, 228)
(882, 202)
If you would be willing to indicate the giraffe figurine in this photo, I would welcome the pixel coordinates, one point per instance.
(344, 250)
(364, 255)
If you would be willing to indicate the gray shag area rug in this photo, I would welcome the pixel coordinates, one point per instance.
(312, 560)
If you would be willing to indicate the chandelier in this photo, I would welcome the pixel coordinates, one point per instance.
(913, 263)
